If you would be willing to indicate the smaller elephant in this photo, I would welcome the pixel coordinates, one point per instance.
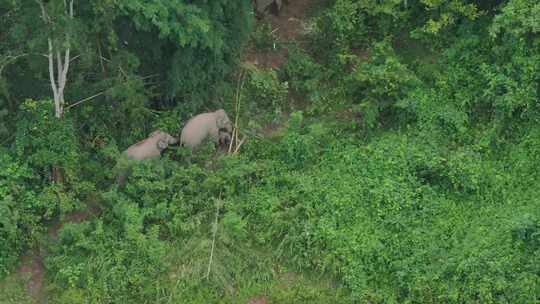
(224, 138)
(149, 148)
(224, 141)
(205, 125)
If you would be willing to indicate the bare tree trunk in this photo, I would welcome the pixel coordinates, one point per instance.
(58, 81)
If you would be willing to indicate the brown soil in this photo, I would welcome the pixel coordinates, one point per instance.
(258, 300)
(290, 24)
(32, 272)
(288, 27)
(266, 59)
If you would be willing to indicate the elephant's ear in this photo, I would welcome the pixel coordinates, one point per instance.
(220, 122)
(161, 144)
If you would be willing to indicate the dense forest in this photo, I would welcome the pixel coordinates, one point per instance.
(382, 151)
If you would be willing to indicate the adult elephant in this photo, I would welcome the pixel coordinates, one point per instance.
(215, 125)
(149, 148)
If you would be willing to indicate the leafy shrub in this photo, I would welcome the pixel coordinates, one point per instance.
(15, 202)
(301, 146)
(129, 252)
(263, 37)
(44, 141)
(397, 219)
(28, 199)
(343, 27)
(518, 17)
(376, 85)
(26, 207)
(265, 90)
(303, 74)
(478, 90)
(108, 262)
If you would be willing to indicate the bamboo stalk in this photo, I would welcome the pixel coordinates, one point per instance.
(218, 205)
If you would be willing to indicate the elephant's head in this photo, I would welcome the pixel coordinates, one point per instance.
(163, 139)
(224, 138)
(222, 121)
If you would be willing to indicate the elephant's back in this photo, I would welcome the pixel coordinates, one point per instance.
(142, 150)
(197, 129)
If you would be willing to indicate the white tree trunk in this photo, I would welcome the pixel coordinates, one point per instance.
(58, 81)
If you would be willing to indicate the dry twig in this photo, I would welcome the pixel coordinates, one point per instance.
(218, 206)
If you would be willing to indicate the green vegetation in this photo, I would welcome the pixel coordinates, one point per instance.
(404, 168)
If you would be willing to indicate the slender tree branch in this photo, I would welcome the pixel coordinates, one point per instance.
(218, 206)
(74, 57)
(150, 76)
(65, 70)
(10, 59)
(87, 98)
(43, 11)
(10, 137)
(60, 68)
(51, 69)
(62, 83)
(239, 145)
(98, 43)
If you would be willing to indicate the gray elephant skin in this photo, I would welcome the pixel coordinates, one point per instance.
(149, 148)
(211, 124)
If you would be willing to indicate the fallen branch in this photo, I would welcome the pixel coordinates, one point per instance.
(239, 145)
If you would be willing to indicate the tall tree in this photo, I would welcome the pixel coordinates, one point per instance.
(59, 49)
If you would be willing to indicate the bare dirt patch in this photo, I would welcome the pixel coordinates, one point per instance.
(289, 26)
(290, 23)
(266, 58)
(258, 300)
(32, 272)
